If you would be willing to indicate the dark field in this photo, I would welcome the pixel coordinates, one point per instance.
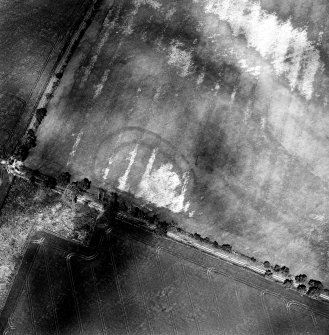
(33, 36)
(130, 281)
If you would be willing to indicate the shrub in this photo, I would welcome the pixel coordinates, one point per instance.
(114, 203)
(277, 268)
(253, 259)
(64, 179)
(288, 283)
(197, 236)
(102, 196)
(301, 289)
(172, 224)
(21, 152)
(268, 273)
(30, 139)
(267, 265)
(316, 284)
(314, 292)
(301, 278)
(122, 205)
(227, 247)
(216, 245)
(150, 217)
(137, 212)
(163, 224)
(285, 270)
(40, 113)
(29, 174)
(83, 185)
(48, 182)
(161, 228)
(37, 174)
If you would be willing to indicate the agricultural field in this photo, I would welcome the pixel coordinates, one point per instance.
(183, 105)
(130, 281)
(33, 35)
(193, 109)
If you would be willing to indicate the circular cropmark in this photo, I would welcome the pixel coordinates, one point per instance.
(141, 162)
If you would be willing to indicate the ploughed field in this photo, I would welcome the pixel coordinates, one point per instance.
(130, 281)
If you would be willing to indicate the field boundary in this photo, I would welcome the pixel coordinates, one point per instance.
(233, 259)
(171, 231)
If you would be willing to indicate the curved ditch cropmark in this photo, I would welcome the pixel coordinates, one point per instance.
(299, 322)
(153, 170)
(279, 321)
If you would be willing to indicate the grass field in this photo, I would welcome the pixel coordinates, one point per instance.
(135, 282)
